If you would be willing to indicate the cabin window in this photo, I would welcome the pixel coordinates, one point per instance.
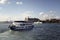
(22, 24)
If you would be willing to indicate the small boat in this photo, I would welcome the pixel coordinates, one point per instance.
(21, 26)
(37, 22)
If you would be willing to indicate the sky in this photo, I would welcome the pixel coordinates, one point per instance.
(19, 9)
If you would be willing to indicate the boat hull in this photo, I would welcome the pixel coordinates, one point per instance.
(14, 28)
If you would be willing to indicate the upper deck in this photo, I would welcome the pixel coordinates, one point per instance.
(21, 23)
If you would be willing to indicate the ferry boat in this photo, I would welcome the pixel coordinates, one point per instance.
(21, 25)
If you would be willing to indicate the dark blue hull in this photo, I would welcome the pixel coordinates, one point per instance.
(21, 29)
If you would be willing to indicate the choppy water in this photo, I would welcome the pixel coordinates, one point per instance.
(40, 32)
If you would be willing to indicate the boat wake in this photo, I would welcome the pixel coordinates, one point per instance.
(15, 35)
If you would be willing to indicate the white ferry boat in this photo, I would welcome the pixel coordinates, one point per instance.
(21, 25)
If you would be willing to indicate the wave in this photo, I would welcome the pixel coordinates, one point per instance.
(15, 35)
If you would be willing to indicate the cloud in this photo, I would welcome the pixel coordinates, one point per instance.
(7, 17)
(47, 15)
(27, 14)
(3, 1)
(57, 17)
(41, 13)
(21, 16)
(52, 11)
(43, 16)
(9, 2)
(19, 3)
(1, 8)
(3, 17)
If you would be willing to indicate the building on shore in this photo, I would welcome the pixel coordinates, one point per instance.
(51, 21)
(32, 19)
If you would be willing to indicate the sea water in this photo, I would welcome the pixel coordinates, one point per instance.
(44, 31)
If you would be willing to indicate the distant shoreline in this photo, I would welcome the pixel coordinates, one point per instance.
(36, 20)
